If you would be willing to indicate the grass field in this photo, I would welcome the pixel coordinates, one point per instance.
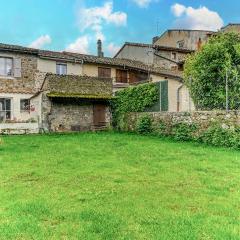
(117, 186)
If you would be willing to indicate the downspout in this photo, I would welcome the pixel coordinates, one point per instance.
(178, 97)
(82, 65)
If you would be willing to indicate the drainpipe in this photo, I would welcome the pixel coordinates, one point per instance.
(82, 65)
(178, 97)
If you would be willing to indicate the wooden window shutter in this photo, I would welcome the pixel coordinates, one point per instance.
(164, 96)
(121, 76)
(17, 65)
(104, 72)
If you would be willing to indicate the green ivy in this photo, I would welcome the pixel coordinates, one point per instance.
(133, 99)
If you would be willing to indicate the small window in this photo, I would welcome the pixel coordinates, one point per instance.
(5, 109)
(180, 44)
(104, 72)
(174, 56)
(61, 69)
(6, 66)
(25, 105)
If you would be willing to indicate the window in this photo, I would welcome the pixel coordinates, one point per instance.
(180, 44)
(174, 56)
(121, 76)
(6, 66)
(135, 77)
(104, 72)
(25, 105)
(5, 109)
(61, 69)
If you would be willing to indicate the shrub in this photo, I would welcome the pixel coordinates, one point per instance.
(144, 125)
(218, 136)
(162, 128)
(183, 131)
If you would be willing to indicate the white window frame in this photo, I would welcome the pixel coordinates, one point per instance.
(5, 74)
(27, 109)
(61, 72)
(3, 112)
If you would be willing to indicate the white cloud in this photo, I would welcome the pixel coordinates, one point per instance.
(112, 49)
(178, 9)
(41, 41)
(196, 18)
(143, 3)
(94, 18)
(81, 45)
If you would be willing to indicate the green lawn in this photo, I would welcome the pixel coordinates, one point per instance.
(117, 186)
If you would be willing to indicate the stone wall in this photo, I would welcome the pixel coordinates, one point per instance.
(63, 115)
(202, 119)
(26, 82)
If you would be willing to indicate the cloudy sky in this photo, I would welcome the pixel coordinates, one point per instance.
(75, 25)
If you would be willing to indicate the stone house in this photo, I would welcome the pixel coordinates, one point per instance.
(61, 91)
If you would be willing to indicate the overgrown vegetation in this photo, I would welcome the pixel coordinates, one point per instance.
(144, 125)
(117, 186)
(183, 131)
(206, 72)
(216, 134)
(133, 99)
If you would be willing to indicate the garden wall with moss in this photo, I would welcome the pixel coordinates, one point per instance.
(217, 128)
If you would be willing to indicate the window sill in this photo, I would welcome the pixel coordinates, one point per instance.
(7, 77)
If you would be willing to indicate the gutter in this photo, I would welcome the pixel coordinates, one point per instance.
(178, 97)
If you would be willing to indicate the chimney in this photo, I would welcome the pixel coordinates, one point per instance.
(99, 48)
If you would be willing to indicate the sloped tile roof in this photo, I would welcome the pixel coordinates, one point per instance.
(76, 57)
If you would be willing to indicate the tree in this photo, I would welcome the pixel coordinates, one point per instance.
(206, 71)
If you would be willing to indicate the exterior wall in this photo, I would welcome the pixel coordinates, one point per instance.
(19, 128)
(92, 70)
(64, 116)
(231, 28)
(17, 114)
(138, 53)
(24, 83)
(185, 104)
(49, 66)
(190, 38)
(167, 64)
(60, 117)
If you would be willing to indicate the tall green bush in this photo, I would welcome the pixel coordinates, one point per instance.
(205, 73)
(144, 125)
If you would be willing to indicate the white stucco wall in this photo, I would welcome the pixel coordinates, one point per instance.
(186, 104)
(16, 113)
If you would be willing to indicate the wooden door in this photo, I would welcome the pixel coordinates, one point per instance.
(99, 114)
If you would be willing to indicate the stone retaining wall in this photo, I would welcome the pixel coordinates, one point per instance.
(203, 119)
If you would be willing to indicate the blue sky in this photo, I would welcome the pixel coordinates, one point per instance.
(75, 25)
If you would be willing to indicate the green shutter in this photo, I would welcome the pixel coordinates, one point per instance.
(164, 96)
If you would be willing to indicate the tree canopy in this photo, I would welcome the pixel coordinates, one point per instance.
(206, 71)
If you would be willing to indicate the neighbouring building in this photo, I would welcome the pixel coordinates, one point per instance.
(63, 91)
(137, 51)
(231, 27)
(184, 39)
